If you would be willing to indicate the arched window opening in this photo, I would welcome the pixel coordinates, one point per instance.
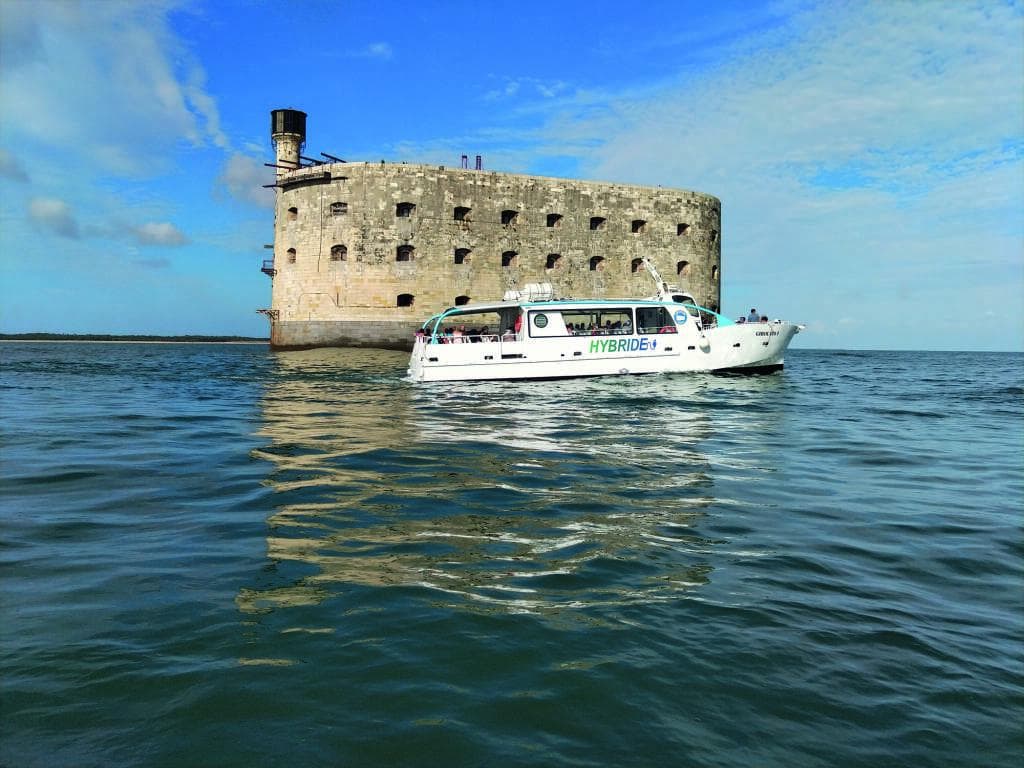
(405, 253)
(460, 300)
(682, 229)
(339, 253)
(462, 255)
(597, 222)
(683, 268)
(554, 219)
(636, 265)
(714, 272)
(509, 217)
(554, 261)
(405, 210)
(508, 258)
(714, 236)
(405, 300)
(638, 226)
(293, 213)
(291, 255)
(597, 263)
(462, 213)
(339, 209)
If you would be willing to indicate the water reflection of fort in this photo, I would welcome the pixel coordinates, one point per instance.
(530, 497)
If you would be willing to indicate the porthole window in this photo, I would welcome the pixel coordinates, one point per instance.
(404, 300)
(462, 255)
(405, 253)
(540, 320)
(339, 253)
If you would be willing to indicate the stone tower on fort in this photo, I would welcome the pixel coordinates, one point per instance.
(364, 252)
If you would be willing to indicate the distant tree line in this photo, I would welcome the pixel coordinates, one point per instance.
(120, 337)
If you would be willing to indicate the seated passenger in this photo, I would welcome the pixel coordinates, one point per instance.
(508, 335)
(740, 320)
(764, 318)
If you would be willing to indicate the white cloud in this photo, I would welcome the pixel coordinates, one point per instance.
(54, 216)
(107, 78)
(158, 233)
(243, 177)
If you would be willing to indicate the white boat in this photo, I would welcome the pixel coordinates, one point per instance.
(532, 335)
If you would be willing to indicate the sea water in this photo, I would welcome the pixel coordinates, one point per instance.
(220, 555)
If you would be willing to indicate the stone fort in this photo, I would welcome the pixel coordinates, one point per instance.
(365, 251)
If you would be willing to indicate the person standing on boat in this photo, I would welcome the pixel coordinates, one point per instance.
(753, 317)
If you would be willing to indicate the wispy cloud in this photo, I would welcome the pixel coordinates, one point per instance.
(158, 233)
(107, 78)
(10, 168)
(529, 87)
(53, 215)
(243, 177)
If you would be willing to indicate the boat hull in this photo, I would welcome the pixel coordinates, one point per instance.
(754, 348)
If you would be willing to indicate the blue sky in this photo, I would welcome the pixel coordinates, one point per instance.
(869, 156)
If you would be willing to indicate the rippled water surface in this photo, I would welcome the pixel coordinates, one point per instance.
(220, 555)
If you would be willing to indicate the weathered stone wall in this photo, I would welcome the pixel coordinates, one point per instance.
(353, 296)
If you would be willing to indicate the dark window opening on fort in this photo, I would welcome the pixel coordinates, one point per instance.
(554, 219)
(291, 255)
(339, 253)
(405, 300)
(462, 255)
(509, 217)
(682, 229)
(460, 300)
(638, 226)
(597, 222)
(683, 268)
(405, 210)
(339, 209)
(462, 214)
(293, 213)
(636, 265)
(404, 253)
(553, 261)
(714, 272)
(596, 263)
(714, 235)
(508, 259)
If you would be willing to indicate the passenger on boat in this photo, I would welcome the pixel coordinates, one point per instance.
(764, 318)
(753, 317)
(508, 335)
(740, 320)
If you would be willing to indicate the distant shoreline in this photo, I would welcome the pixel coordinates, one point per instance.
(109, 338)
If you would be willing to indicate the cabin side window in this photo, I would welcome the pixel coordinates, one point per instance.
(654, 320)
(604, 321)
